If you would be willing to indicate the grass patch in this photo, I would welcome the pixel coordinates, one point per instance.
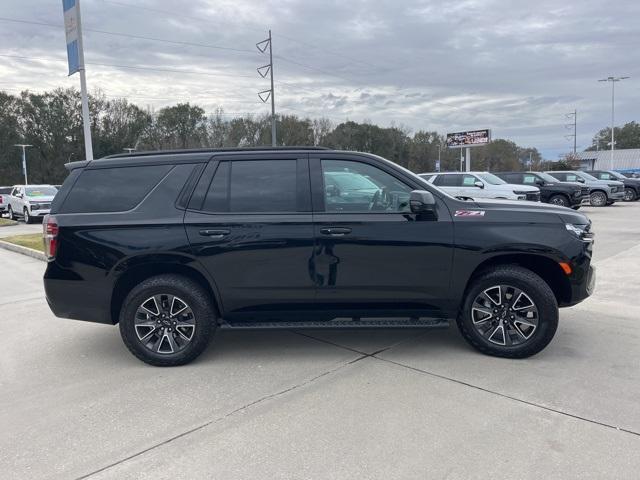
(32, 240)
(6, 221)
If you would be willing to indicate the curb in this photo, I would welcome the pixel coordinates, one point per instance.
(8, 224)
(29, 252)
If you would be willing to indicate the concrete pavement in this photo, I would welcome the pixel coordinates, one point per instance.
(74, 403)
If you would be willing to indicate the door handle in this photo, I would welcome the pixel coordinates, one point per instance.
(335, 231)
(215, 234)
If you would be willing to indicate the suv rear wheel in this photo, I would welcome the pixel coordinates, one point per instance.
(509, 312)
(167, 320)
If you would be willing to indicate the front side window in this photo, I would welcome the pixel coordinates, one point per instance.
(253, 186)
(41, 191)
(469, 181)
(359, 187)
(529, 179)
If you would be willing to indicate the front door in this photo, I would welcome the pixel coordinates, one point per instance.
(373, 256)
(249, 222)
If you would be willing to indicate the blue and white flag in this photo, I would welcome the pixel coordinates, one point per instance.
(71, 29)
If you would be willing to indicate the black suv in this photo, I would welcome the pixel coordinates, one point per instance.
(174, 245)
(631, 185)
(565, 194)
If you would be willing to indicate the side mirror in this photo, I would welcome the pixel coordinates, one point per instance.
(581, 180)
(540, 183)
(332, 191)
(421, 201)
(478, 184)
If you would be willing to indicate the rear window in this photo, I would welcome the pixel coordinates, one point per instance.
(5, 190)
(113, 189)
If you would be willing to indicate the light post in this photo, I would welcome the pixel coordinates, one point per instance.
(24, 160)
(613, 81)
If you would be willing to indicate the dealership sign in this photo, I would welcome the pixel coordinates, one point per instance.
(472, 138)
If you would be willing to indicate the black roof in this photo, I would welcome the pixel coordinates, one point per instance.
(209, 150)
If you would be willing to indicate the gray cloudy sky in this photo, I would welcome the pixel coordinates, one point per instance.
(516, 67)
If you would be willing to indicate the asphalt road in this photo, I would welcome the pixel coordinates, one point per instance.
(327, 405)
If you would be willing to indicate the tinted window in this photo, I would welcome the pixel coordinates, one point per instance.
(448, 180)
(359, 187)
(217, 199)
(113, 189)
(5, 190)
(253, 186)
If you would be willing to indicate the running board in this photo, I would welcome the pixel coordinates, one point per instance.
(339, 324)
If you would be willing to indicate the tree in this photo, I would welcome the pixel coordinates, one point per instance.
(181, 126)
(627, 136)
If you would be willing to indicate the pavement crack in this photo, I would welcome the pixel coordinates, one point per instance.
(225, 416)
(509, 397)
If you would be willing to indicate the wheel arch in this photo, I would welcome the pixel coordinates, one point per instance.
(544, 267)
(139, 272)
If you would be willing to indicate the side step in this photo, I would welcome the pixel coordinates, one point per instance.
(340, 323)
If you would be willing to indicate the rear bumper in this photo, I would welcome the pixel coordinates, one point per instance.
(69, 296)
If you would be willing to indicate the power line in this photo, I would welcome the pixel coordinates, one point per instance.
(135, 67)
(128, 35)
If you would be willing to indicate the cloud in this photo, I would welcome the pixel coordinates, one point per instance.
(514, 66)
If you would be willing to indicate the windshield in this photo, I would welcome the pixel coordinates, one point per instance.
(586, 176)
(547, 178)
(616, 174)
(491, 178)
(40, 191)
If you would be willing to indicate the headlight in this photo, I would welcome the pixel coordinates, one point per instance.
(577, 193)
(35, 206)
(580, 231)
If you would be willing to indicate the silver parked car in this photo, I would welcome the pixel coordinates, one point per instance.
(480, 185)
(601, 192)
(30, 201)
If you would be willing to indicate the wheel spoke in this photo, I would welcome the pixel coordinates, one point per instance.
(165, 324)
(498, 335)
(522, 298)
(485, 311)
(495, 296)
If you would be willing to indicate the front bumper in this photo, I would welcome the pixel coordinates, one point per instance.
(617, 196)
(39, 213)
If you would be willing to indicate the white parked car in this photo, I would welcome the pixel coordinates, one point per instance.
(30, 201)
(481, 185)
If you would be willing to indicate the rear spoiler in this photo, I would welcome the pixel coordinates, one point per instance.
(79, 164)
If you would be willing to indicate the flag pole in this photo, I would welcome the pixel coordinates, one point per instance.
(86, 120)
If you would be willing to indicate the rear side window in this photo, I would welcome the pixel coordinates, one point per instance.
(254, 186)
(113, 189)
(448, 180)
(529, 179)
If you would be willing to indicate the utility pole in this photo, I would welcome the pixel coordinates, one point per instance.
(263, 72)
(613, 81)
(573, 125)
(24, 160)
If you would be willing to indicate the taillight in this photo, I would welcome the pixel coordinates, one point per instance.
(50, 235)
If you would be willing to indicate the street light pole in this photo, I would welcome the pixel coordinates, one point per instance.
(24, 160)
(613, 81)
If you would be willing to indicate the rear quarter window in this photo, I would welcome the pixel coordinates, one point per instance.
(113, 189)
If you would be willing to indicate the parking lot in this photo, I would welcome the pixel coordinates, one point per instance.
(317, 404)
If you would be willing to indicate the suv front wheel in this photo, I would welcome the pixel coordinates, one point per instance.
(167, 320)
(509, 312)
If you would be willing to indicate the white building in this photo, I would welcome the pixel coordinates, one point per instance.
(625, 160)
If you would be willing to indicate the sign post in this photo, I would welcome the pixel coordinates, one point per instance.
(75, 57)
(466, 140)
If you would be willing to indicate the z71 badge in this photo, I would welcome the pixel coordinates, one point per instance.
(469, 213)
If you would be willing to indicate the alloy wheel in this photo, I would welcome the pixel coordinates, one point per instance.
(598, 199)
(504, 315)
(165, 324)
(558, 200)
(26, 216)
(629, 196)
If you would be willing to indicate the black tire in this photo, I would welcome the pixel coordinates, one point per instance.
(534, 287)
(630, 195)
(598, 199)
(25, 215)
(560, 200)
(197, 300)
(12, 215)
(576, 207)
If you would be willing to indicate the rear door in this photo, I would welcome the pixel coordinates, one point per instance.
(372, 254)
(450, 183)
(249, 222)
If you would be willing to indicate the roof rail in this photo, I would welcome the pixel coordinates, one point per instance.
(207, 150)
